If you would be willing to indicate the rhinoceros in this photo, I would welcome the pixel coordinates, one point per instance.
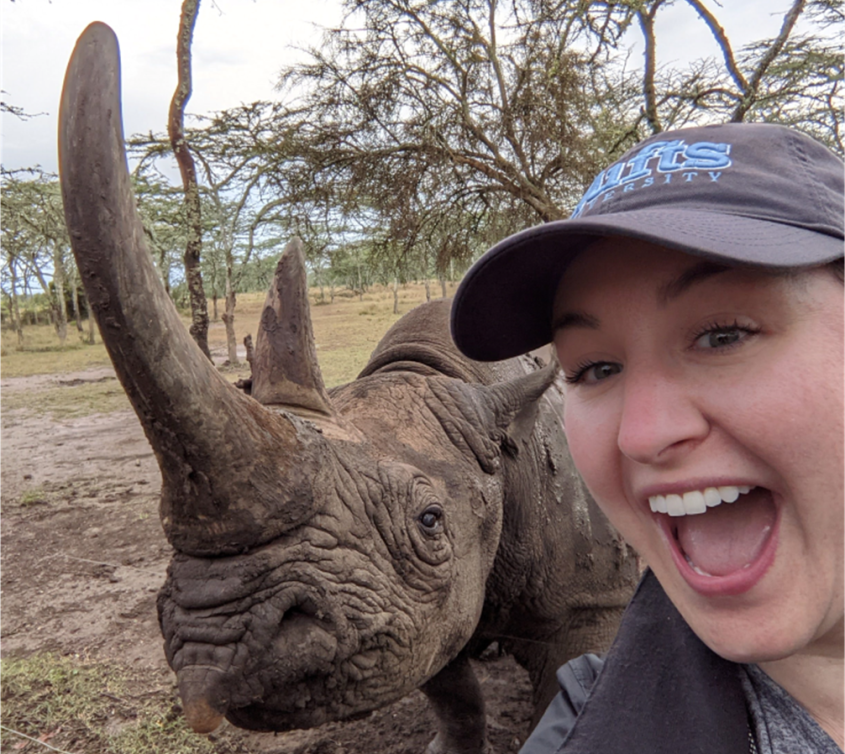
(335, 550)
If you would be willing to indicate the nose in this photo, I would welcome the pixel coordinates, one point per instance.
(660, 421)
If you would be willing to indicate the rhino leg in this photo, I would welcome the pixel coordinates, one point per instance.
(591, 630)
(458, 703)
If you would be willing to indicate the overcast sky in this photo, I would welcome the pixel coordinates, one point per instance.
(239, 47)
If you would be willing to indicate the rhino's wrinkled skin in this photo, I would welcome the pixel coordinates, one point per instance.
(336, 550)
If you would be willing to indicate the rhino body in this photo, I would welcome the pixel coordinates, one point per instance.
(337, 550)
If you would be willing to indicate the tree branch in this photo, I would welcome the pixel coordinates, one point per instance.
(774, 50)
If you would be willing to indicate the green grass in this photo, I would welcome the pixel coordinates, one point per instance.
(78, 705)
(50, 359)
(32, 497)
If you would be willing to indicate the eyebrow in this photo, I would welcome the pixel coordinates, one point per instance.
(666, 293)
(689, 277)
(574, 319)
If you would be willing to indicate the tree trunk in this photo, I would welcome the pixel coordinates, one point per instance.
(164, 267)
(74, 298)
(214, 315)
(331, 294)
(250, 350)
(54, 312)
(176, 131)
(59, 308)
(396, 295)
(14, 308)
(427, 291)
(229, 322)
(443, 286)
(91, 338)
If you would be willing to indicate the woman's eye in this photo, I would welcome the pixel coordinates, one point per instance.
(722, 337)
(592, 374)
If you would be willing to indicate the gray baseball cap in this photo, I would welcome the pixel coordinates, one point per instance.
(744, 193)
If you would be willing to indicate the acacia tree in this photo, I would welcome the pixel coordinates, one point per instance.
(35, 244)
(15, 242)
(236, 151)
(451, 114)
(793, 78)
(447, 125)
(161, 207)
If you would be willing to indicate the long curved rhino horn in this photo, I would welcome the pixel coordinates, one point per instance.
(234, 473)
(285, 370)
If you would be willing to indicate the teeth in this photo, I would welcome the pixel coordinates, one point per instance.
(696, 501)
(675, 505)
(729, 494)
(712, 497)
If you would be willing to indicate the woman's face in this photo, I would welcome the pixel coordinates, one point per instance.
(691, 385)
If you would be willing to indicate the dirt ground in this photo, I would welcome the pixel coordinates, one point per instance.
(83, 556)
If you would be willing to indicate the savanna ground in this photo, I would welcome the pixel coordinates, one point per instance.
(83, 556)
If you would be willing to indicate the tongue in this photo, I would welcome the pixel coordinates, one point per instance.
(730, 536)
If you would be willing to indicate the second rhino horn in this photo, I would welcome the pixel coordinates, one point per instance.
(285, 370)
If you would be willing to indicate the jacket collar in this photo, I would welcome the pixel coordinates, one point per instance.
(661, 691)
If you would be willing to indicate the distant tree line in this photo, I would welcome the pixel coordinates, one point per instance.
(417, 134)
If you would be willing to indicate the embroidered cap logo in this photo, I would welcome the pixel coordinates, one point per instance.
(666, 158)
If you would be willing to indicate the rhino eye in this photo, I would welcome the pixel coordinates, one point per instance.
(431, 520)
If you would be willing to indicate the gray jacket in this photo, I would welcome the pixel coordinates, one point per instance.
(659, 691)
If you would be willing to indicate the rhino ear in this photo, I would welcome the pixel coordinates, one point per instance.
(484, 420)
(515, 404)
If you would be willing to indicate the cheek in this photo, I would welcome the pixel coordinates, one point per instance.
(592, 442)
(592, 430)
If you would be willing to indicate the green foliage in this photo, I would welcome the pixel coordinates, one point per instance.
(418, 134)
(34, 242)
(33, 497)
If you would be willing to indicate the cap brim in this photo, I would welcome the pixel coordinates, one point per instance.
(503, 306)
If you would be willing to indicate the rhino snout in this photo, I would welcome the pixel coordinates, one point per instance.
(221, 669)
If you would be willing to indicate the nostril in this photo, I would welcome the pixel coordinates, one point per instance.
(305, 643)
(307, 610)
(300, 611)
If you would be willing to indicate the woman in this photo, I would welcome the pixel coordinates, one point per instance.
(695, 303)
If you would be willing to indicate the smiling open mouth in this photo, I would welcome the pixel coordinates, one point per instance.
(720, 532)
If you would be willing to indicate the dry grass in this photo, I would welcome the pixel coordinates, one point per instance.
(70, 401)
(70, 702)
(43, 354)
(346, 332)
